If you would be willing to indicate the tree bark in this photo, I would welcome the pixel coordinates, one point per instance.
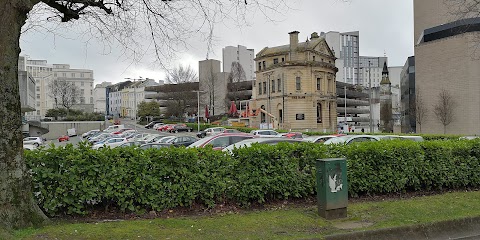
(17, 207)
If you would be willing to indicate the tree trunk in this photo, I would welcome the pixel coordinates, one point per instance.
(17, 207)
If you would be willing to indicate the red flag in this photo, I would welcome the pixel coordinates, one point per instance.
(233, 109)
(207, 115)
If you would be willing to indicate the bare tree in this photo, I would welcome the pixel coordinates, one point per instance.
(444, 109)
(182, 75)
(236, 75)
(168, 24)
(419, 108)
(63, 93)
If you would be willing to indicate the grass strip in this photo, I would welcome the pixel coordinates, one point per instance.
(289, 222)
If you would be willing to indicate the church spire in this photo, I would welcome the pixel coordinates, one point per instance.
(385, 77)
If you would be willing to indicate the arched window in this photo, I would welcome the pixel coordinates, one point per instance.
(319, 113)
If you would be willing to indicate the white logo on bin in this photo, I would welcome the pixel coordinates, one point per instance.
(334, 184)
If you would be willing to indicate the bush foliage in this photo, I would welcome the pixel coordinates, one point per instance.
(70, 180)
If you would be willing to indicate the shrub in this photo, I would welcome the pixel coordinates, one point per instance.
(70, 180)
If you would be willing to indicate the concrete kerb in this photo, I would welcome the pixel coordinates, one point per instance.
(466, 228)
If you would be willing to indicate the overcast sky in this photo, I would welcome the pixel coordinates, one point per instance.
(386, 26)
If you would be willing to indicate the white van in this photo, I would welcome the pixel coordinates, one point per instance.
(114, 128)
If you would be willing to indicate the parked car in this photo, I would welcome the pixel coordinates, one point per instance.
(182, 141)
(150, 137)
(157, 125)
(397, 137)
(268, 141)
(138, 137)
(89, 133)
(155, 145)
(164, 139)
(180, 128)
(318, 139)
(120, 131)
(228, 130)
(110, 142)
(36, 141)
(130, 144)
(292, 135)
(210, 132)
(221, 141)
(63, 138)
(151, 124)
(349, 139)
(113, 128)
(469, 137)
(165, 128)
(99, 138)
(29, 147)
(264, 133)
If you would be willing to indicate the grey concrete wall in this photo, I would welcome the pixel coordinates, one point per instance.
(57, 129)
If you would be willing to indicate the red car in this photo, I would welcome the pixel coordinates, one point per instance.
(63, 138)
(122, 130)
(166, 127)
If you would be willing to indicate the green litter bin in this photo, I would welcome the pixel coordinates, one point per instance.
(332, 188)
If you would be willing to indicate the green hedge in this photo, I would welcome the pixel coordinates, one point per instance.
(74, 180)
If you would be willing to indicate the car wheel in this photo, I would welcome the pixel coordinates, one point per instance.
(176, 131)
(189, 130)
(36, 144)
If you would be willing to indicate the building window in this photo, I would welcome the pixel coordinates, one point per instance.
(91, 84)
(38, 112)
(283, 59)
(64, 74)
(38, 88)
(275, 60)
(82, 91)
(82, 100)
(82, 75)
(38, 96)
(264, 87)
(300, 116)
(82, 84)
(91, 100)
(91, 92)
(319, 113)
(314, 58)
(259, 66)
(259, 88)
(279, 85)
(73, 75)
(273, 86)
(319, 83)
(264, 66)
(280, 115)
(298, 84)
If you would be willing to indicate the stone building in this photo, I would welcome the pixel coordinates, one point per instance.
(295, 86)
(447, 57)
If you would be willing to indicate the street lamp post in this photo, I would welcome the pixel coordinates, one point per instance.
(370, 97)
(198, 108)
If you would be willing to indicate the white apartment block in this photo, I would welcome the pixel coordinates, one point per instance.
(100, 97)
(242, 55)
(346, 47)
(45, 73)
(371, 70)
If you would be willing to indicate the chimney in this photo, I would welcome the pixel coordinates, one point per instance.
(293, 40)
